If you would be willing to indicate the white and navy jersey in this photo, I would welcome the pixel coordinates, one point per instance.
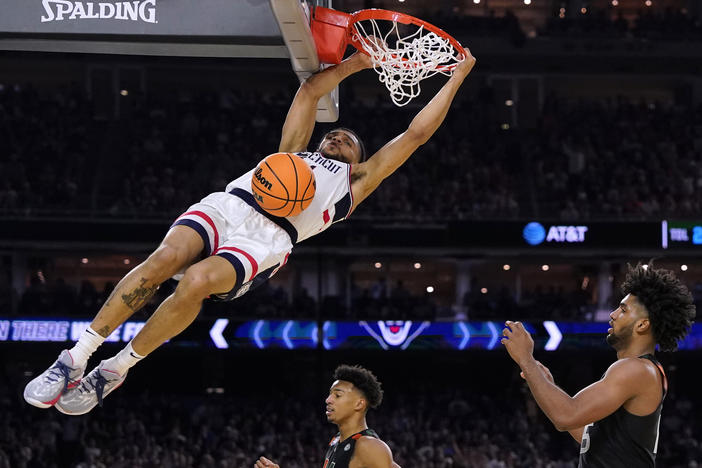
(332, 200)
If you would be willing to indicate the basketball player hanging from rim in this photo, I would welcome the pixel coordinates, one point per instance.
(355, 390)
(226, 244)
(616, 419)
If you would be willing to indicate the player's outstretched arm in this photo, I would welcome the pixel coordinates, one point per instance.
(577, 433)
(622, 381)
(299, 122)
(368, 175)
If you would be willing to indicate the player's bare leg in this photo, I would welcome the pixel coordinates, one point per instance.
(210, 276)
(180, 247)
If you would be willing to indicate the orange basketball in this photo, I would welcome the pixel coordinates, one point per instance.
(283, 184)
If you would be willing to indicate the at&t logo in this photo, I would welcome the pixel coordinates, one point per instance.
(534, 234)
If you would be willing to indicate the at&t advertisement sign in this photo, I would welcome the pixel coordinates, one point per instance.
(535, 233)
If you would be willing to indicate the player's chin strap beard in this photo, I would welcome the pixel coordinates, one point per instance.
(338, 157)
(352, 137)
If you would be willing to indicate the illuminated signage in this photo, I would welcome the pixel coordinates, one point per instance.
(34, 330)
(223, 333)
(681, 234)
(394, 333)
(289, 334)
(620, 236)
(380, 334)
(535, 233)
(59, 330)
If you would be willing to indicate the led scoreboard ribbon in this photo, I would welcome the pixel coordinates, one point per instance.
(34, 329)
(681, 234)
(222, 333)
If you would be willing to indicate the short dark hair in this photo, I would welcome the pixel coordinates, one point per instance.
(361, 146)
(362, 379)
(669, 303)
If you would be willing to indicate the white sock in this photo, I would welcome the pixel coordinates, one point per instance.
(123, 360)
(85, 346)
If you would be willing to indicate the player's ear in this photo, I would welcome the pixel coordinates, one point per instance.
(643, 325)
(361, 404)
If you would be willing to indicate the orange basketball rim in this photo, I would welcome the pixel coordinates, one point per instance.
(403, 56)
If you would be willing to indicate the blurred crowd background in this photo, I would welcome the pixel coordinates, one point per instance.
(578, 112)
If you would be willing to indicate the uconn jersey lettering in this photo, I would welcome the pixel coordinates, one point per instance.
(328, 164)
(332, 201)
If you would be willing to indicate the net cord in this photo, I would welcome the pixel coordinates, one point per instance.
(414, 58)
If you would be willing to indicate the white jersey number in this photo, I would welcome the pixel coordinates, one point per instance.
(585, 442)
(658, 434)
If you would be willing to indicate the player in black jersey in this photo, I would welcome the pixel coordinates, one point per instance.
(353, 392)
(616, 419)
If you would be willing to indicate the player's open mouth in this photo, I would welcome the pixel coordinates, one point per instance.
(610, 330)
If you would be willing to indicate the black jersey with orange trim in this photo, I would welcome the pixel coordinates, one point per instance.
(340, 452)
(622, 439)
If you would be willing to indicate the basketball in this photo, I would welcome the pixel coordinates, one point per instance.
(283, 184)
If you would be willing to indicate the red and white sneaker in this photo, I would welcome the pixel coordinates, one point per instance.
(63, 375)
(92, 389)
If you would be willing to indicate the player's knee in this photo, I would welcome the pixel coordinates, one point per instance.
(197, 283)
(167, 259)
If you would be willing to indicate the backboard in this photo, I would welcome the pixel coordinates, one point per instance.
(202, 28)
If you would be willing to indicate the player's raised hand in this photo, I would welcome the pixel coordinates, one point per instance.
(544, 371)
(466, 64)
(377, 46)
(263, 462)
(362, 59)
(517, 341)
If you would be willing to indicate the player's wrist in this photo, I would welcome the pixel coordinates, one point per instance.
(357, 62)
(527, 364)
(459, 75)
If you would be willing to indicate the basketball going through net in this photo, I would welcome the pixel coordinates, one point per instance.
(405, 50)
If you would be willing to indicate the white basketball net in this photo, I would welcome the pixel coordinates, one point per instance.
(415, 57)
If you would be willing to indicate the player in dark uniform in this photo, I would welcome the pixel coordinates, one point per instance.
(616, 419)
(353, 392)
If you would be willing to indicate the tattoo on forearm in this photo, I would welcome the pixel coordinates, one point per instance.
(140, 296)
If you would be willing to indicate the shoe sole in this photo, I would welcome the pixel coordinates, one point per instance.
(61, 410)
(41, 404)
